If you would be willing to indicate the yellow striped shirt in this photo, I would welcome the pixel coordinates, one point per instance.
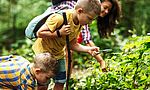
(15, 74)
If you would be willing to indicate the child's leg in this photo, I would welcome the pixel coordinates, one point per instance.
(60, 77)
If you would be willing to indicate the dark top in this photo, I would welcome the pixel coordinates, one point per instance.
(55, 2)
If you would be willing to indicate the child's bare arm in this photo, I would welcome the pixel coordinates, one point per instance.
(45, 32)
(80, 48)
(97, 57)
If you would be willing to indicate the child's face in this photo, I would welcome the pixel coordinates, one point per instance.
(44, 77)
(86, 18)
(105, 8)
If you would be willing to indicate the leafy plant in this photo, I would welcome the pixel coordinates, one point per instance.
(22, 48)
(129, 69)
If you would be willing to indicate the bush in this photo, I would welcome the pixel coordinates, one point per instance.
(21, 48)
(129, 69)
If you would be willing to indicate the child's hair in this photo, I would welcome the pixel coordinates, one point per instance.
(107, 24)
(45, 62)
(89, 5)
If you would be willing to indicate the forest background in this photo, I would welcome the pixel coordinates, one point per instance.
(127, 51)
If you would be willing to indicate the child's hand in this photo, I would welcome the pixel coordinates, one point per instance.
(94, 51)
(65, 30)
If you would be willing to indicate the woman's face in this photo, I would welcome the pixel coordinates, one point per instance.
(105, 8)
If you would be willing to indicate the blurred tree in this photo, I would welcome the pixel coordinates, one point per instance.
(16, 14)
(14, 17)
(135, 16)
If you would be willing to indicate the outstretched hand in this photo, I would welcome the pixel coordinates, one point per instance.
(93, 51)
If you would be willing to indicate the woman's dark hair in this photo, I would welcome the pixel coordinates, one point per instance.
(107, 23)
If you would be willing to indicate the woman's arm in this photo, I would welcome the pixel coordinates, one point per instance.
(98, 57)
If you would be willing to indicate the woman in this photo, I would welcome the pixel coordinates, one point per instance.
(108, 18)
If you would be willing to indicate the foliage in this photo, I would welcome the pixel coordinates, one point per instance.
(129, 69)
(135, 15)
(21, 47)
(16, 14)
(14, 17)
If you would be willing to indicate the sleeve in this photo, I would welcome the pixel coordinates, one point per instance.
(54, 21)
(86, 35)
(27, 83)
(27, 87)
(5, 58)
